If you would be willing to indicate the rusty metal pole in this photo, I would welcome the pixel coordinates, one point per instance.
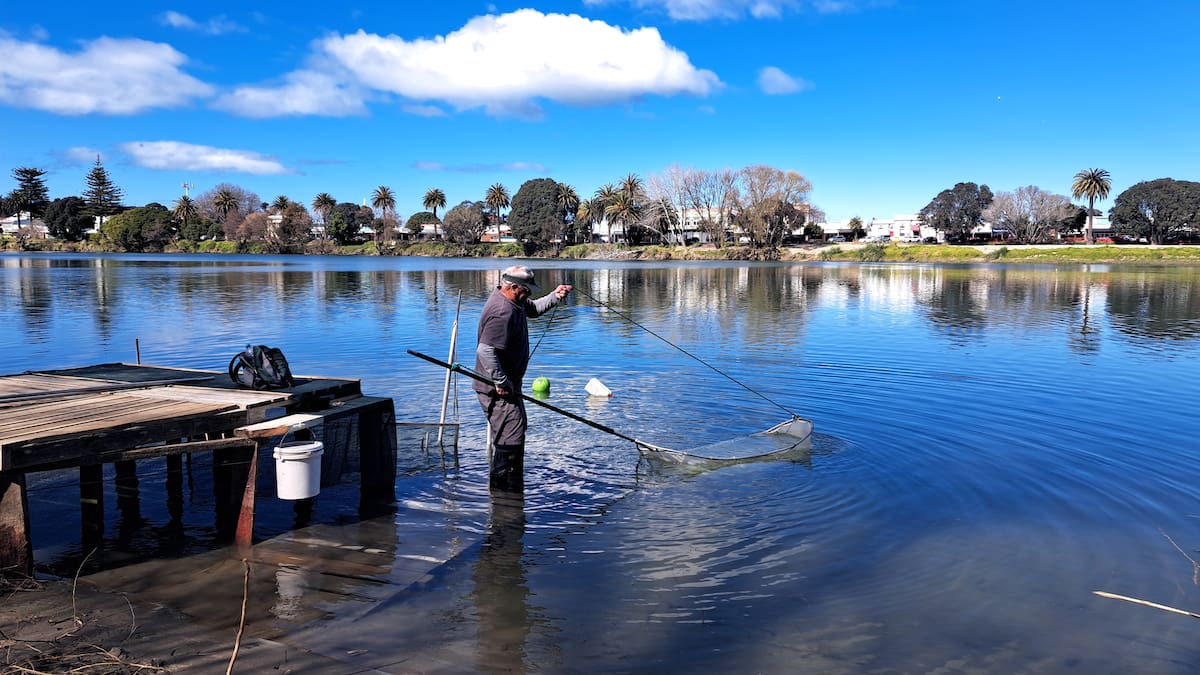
(244, 536)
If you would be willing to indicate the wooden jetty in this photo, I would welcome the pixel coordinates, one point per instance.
(120, 413)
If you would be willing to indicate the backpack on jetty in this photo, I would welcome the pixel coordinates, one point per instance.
(260, 367)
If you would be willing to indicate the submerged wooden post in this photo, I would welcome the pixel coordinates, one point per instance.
(377, 448)
(175, 487)
(91, 504)
(16, 548)
(128, 490)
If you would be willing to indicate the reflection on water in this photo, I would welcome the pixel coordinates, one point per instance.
(500, 592)
(993, 444)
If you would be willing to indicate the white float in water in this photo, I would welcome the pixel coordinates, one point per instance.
(596, 388)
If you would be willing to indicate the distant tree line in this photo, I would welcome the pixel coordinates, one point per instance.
(1157, 211)
(760, 206)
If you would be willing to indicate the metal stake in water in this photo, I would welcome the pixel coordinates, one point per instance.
(449, 359)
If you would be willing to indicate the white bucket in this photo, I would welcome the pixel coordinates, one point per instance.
(298, 469)
(596, 388)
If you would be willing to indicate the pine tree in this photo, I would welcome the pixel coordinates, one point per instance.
(103, 198)
(31, 194)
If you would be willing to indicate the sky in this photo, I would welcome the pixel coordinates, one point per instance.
(880, 104)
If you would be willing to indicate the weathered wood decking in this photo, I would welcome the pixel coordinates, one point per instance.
(119, 413)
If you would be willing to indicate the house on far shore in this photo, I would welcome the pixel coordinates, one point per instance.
(8, 225)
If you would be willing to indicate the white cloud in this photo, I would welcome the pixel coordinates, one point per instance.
(218, 25)
(775, 82)
(108, 76)
(527, 167)
(423, 110)
(82, 155)
(523, 166)
(703, 10)
(506, 63)
(304, 92)
(177, 156)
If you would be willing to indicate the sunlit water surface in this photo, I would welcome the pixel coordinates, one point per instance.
(993, 444)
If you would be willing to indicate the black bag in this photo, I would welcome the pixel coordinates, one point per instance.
(260, 367)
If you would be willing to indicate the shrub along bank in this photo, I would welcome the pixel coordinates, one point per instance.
(850, 252)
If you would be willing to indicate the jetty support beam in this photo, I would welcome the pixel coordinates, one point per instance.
(16, 548)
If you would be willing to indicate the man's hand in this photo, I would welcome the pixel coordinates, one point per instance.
(562, 291)
(503, 392)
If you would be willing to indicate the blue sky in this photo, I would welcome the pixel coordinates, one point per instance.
(881, 104)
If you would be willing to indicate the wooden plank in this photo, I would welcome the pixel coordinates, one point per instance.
(243, 398)
(70, 430)
(93, 388)
(310, 391)
(82, 415)
(306, 385)
(148, 452)
(79, 442)
(307, 420)
(134, 372)
(37, 383)
(280, 425)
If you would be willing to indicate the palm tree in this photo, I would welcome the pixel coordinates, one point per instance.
(185, 210)
(605, 197)
(324, 204)
(1093, 184)
(281, 202)
(385, 200)
(496, 199)
(589, 213)
(625, 210)
(631, 187)
(224, 202)
(568, 200)
(435, 199)
(631, 184)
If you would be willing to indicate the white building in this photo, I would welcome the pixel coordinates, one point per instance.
(9, 225)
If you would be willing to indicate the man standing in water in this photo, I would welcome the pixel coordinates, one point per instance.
(502, 354)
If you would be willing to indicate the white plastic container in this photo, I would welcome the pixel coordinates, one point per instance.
(596, 388)
(298, 469)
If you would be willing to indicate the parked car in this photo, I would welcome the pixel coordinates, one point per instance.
(837, 239)
(930, 240)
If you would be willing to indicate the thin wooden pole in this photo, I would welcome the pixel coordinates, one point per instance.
(1147, 603)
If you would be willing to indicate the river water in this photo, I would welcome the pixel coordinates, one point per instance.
(993, 444)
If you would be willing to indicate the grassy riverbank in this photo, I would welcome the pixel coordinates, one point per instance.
(1031, 254)
(1139, 254)
(908, 253)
